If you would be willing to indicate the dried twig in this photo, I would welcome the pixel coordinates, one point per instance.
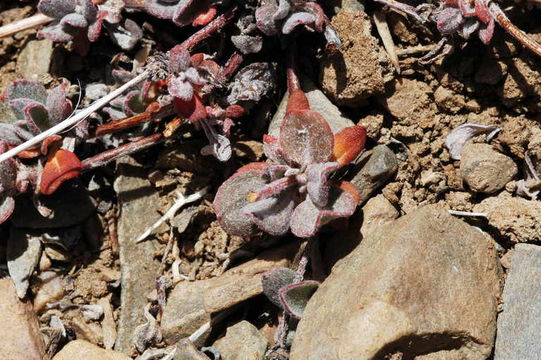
(180, 202)
(71, 121)
(386, 38)
(24, 24)
(467, 213)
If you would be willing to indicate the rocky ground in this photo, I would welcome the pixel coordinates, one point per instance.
(441, 261)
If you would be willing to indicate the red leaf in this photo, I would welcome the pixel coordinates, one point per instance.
(62, 166)
(297, 101)
(205, 17)
(193, 109)
(348, 143)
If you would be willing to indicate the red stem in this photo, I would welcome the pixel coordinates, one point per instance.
(231, 66)
(208, 30)
(127, 149)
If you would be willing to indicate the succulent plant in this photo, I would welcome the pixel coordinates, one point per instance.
(82, 21)
(183, 12)
(33, 110)
(294, 190)
(283, 16)
(282, 290)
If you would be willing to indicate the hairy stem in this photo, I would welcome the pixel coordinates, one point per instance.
(211, 28)
(127, 149)
(514, 31)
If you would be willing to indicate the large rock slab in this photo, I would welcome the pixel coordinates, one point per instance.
(139, 270)
(19, 335)
(81, 349)
(519, 324)
(426, 284)
(191, 304)
(35, 58)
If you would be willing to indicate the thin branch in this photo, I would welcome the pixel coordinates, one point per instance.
(180, 202)
(386, 37)
(24, 24)
(467, 213)
(81, 115)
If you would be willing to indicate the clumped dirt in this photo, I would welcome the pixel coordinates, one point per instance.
(413, 113)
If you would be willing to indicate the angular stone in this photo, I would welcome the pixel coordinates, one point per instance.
(353, 74)
(426, 284)
(50, 288)
(519, 324)
(484, 169)
(186, 350)
(242, 341)
(191, 304)
(71, 205)
(373, 173)
(35, 58)
(377, 212)
(517, 219)
(81, 349)
(318, 103)
(139, 270)
(23, 254)
(19, 334)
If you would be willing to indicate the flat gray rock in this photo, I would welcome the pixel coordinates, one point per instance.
(35, 58)
(519, 324)
(424, 286)
(23, 254)
(138, 210)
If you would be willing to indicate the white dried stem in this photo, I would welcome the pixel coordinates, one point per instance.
(386, 37)
(180, 202)
(24, 24)
(73, 120)
(467, 213)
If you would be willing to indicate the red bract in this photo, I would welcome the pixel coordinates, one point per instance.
(293, 191)
(62, 166)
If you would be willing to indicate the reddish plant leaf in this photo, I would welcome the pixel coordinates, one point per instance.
(297, 101)
(298, 18)
(58, 107)
(272, 214)
(203, 18)
(192, 110)
(62, 166)
(306, 138)
(349, 143)
(318, 185)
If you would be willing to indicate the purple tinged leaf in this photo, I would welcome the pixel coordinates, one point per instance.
(307, 218)
(180, 89)
(58, 107)
(283, 10)
(295, 297)
(220, 148)
(89, 10)
(179, 59)
(126, 35)
(275, 279)
(8, 173)
(27, 89)
(55, 32)
(272, 214)
(272, 149)
(37, 118)
(298, 18)
(75, 20)
(8, 133)
(185, 12)
(487, 33)
(94, 30)
(114, 114)
(306, 138)
(161, 9)
(17, 107)
(133, 103)
(122, 76)
(56, 8)
(252, 83)
(318, 185)
(457, 138)
(275, 188)
(231, 198)
(449, 20)
(192, 75)
(247, 44)
(265, 20)
(7, 205)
